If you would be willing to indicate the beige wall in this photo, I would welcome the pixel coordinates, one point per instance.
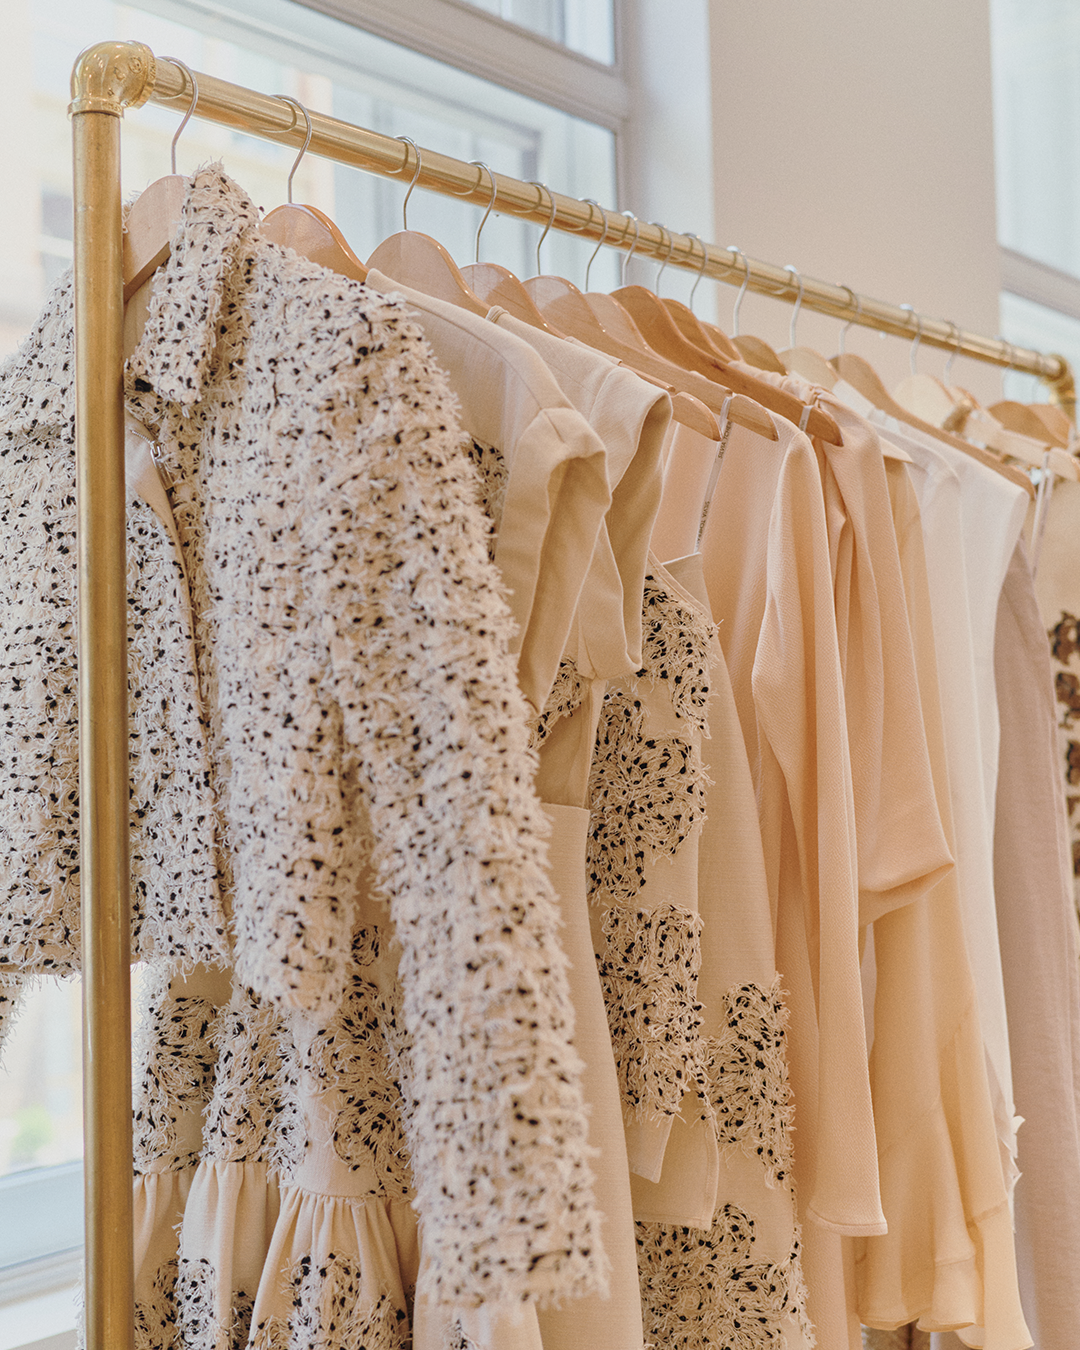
(854, 139)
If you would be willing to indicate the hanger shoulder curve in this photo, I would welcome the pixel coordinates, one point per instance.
(421, 262)
(691, 327)
(307, 231)
(496, 285)
(861, 375)
(756, 352)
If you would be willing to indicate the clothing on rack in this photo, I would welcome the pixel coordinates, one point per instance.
(571, 944)
(351, 647)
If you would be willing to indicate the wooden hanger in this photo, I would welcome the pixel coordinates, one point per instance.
(576, 317)
(804, 361)
(620, 326)
(861, 375)
(1055, 421)
(711, 339)
(662, 335)
(421, 262)
(306, 229)
(1023, 418)
(154, 216)
(928, 399)
(497, 285)
(751, 349)
(567, 308)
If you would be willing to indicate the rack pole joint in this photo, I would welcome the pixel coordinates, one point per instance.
(1063, 388)
(111, 76)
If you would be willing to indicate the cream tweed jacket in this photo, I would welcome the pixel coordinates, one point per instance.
(321, 693)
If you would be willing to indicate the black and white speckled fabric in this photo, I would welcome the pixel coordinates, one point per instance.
(176, 901)
(351, 647)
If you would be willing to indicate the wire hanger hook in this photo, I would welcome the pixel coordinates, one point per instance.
(603, 237)
(732, 248)
(701, 269)
(307, 137)
(408, 140)
(633, 247)
(479, 163)
(667, 255)
(798, 304)
(542, 188)
(917, 319)
(947, 376)
(857, 302)
(1012, 359)
(191, 106)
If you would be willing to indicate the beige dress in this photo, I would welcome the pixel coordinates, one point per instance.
(718, 1238)
(947, 1259)
(770, 581)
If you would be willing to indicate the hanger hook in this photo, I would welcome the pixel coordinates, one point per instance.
(667, 255)
(600, 245)
(479, 163)
(1012, 360)
(916, 339)
(947, 376)
(408, 140)
(857, 302)
(542, 188)
(798, 303)
(307, 137)
(742, 289)
(633, 247)
(191, 106)
(701, 269)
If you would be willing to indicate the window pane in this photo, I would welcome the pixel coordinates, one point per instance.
(585, 26)
(41, 1084)
(281, 47)
(1036, 49)
(1047, 330)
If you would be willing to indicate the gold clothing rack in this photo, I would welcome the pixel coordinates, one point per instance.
(107, 79)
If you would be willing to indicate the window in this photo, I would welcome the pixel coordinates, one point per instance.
(1036, 56)
(585, 26)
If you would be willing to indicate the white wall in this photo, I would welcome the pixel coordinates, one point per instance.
(854, 139)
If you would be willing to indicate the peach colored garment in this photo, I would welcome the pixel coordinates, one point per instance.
(972, 517)
(769, 574)
(1058, 588)
(947, 1259)
(743, 1021)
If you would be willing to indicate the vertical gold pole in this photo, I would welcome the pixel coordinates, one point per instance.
(101, 85)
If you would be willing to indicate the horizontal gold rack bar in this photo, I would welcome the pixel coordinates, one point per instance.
(265, 115)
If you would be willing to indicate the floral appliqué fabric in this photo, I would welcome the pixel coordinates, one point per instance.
(647, 796)
(683, 1270)
(1065, 658)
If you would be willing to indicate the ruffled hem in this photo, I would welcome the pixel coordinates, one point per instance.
(339, 1273)
(976, 1296)
(229, 1220)
(160, 1199)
